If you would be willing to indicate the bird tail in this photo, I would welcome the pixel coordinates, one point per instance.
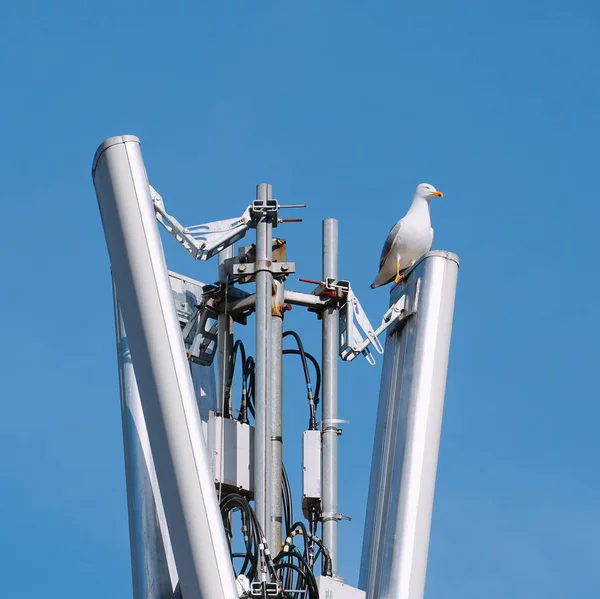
(374, 285)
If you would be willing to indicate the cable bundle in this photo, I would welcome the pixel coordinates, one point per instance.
(250, 530)
(293, 566)
(313, 400)
(257, 557)
(248, 366)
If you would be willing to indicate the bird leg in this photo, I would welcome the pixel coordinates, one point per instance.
(399, 276)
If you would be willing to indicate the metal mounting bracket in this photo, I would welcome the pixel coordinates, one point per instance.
(249, 269)
(206, 240)
(200, 335)
(201, 241)
(325, 516)
(353, 318)
(269, 209)
(261, 589)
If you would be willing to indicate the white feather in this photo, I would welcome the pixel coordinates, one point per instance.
(409, 238)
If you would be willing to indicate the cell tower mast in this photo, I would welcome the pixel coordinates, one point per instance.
(210, 506)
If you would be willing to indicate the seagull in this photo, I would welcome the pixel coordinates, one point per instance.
(408, 239)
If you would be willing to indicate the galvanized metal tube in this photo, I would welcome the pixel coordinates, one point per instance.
(330, 325)
(275, 407)
(246, 303)
(407, 437)
(224, 341)
(162, 372)
(295, 298)
(308, 300)
(262, 439)
(152, 562)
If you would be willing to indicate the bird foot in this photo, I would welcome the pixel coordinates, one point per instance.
(399, 278)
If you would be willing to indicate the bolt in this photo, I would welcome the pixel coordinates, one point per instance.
(285, 267)
(242, 268)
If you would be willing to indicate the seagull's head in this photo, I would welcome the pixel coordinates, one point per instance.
(427, 192)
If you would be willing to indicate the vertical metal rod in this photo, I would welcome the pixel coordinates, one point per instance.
(330, 324)
(224, 341)
(276, 415)
(262, 439)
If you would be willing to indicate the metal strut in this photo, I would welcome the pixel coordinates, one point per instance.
(201, 241)
(352, 343)
(356, 333)
(206, 240)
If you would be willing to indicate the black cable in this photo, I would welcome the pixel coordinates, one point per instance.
(250, 367)
(227, 412)
(302, 570)
(317, 554)
(302, 528)
(252, 532)
(238, 345)
(315, 363)
(294, 552)
(288, 511)
(327, 565)
(302, 352)
(309, 581)
(288, 508)
(312, 425)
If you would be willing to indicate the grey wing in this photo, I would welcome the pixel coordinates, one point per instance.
(432, 237)
(387, 246)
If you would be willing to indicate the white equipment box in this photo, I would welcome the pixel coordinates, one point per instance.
(231, 447)
(334, 588)
(311, 471)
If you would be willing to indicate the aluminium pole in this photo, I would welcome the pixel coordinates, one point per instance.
(262, 435)
(276, 415)
(152, 562)
(172, 418)
(407, 436)
(330, 326)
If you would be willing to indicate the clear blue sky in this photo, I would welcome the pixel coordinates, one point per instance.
(347, 106)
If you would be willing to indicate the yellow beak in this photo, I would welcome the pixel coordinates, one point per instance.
(438, 194)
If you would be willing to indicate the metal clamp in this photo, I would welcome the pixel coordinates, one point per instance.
(329, 516)
(269, 209)
(260, 589)
(329, 421)
(248, 269)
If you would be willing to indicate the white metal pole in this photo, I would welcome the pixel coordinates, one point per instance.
(153, 565)
(407, 436)
(330, 326)
(275, 409)
(173, 422)
(262, 438)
